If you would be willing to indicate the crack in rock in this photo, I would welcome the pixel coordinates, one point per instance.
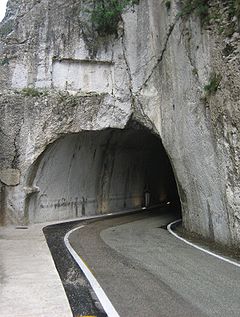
(159, 60)
(127, 64)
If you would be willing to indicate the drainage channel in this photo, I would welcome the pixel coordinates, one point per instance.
(82, 299)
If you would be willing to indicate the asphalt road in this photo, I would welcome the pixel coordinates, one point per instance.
(145, 271)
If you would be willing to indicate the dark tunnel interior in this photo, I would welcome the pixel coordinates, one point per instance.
(95, 172)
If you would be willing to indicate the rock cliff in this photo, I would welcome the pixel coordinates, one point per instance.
(164, 70)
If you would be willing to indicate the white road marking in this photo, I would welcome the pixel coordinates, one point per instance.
(118, 213)
(197, 247)
(106, 304)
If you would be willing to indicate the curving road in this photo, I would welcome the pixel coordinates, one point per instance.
(145, 271)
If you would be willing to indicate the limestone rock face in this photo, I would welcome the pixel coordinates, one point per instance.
(10, 176)
(153, 72)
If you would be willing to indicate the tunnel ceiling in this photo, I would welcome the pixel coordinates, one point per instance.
(98, 172)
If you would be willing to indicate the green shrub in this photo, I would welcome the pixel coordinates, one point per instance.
(4, 61)
(237, 8)
(33, 92)
(234, 8)
(168, 4)
(107, 13)
(214, 82)
(199, 7)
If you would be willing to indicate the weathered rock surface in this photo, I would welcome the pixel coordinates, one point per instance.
(154, 72)
(10, 176)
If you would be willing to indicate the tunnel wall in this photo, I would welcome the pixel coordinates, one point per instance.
(97, 172)
(1, 203)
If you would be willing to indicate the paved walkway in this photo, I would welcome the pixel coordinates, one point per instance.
(29, 282)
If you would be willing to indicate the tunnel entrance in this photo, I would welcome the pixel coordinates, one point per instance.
(96, 172)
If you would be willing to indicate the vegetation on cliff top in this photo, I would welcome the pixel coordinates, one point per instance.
(106, 15)
(201, 8)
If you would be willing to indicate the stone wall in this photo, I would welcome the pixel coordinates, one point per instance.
(154, 71)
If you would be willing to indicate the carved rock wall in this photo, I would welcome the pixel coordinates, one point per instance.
(154, 71)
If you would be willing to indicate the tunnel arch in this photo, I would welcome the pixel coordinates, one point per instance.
(95, 172)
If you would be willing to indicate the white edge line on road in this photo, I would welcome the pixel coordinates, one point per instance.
(169, 228)
(115, 214)
(106, 304)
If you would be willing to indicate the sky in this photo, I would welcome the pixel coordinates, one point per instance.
(2, 8)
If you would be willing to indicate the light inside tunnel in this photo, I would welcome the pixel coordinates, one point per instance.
(95, 172)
